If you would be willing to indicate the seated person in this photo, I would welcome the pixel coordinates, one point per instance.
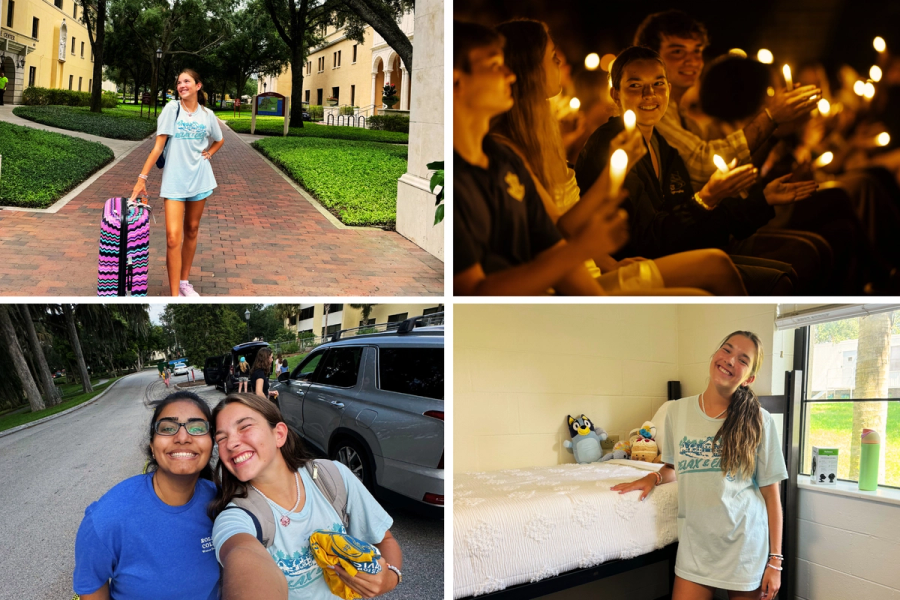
(504, 242)
(531, 132)
(665, 214)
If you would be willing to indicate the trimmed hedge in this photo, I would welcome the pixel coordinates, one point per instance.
(120, 125)
(275, 126)
(389, 123)
(356, 181)
(38, 96)
(39, 167)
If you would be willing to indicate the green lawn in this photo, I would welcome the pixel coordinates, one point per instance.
(40, 167)
(356, 181)
(830, 426)
(11, 421)
(120, 124)
(275, 126)
(295, 360)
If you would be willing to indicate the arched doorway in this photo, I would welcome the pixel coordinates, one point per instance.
(13, 86)
(377, 84)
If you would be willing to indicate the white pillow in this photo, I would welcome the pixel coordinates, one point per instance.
(659, 419)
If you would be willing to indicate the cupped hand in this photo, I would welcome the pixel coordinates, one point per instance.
(791, 105)
(724, 185)
(633, 145)
(369, 586)
(607, 230)
(644, 485)
(140, 188)
(779, 191)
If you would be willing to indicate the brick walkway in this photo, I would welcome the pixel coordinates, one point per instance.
(267, 243)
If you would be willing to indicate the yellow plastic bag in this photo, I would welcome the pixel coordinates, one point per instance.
(353, 555)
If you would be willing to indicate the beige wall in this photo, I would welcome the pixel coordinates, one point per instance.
(520, 369)
(350, 317)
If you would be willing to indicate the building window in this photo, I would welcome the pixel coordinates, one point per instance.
(79, 84)
(92, 56)
(309, 67)
(321, 64)
(58, 3)
(73, 46)
(10, 7)
(395, 320)
(339, 58)
(352, 95)
(367, 323)
(307, 96)
(354, 53)
(292, 321)
(71, 78)
(307, 313)
(90, 81)
(333, 329)
(82, 49)
(335, 308)
(336, 93)
(32, 75)
(74, 10)
(319, 96)
(431, 311)
(34, 25)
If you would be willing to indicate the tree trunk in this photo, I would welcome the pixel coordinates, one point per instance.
(18, 360)
(97, 91)
(872, 362)
(76, 348)
(297, 60)
(43, 370)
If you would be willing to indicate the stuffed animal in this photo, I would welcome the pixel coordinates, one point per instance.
(621, 450)
(644, 447)
(586, 438)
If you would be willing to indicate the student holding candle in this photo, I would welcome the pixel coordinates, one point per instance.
(529, 54)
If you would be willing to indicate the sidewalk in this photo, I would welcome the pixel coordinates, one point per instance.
(259, 236)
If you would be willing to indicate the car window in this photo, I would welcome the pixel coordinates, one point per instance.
(415, 371)
(341, 367)
(309, 364)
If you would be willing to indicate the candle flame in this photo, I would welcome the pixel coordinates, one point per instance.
(619, 160)
(825, 159)
(787, 76)
(765, 56)
(824, 106)
(879, 44)
(859, 88)
(875, 73)
(630, 118)
(883, 138)
(592, 61)
(869, 90)
(574, 103)
(720, 163)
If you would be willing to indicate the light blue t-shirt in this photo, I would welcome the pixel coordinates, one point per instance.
(723, 527)
(187, 173)
(368, 522)
(146, 549)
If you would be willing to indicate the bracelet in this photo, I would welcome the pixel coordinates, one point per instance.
(769, 114)
(774, 567)
(781, 556)
(658, 477)
(142, 176)
(700, 201)
(397, 571)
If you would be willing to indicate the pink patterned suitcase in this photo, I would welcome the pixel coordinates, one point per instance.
(124, 248)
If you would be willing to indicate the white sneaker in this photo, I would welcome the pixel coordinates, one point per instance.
(186, 289)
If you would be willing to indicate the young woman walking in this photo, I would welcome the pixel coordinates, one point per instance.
(259, 454)
(187, 179)
(723, 448)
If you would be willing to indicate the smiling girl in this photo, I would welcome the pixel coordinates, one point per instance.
(258, 454)
(150, 536)
(723, 448)
(188, 178)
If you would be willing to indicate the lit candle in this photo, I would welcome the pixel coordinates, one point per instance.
(765, 56)
(574, 103)
(869, 90)
(875, 73)
(879, 44)
(859, 88)
(617, 165)
(823, 160)
(883, 138)
(787, 77)
(592, 61)
(720, 163)
(824, 107)
(630, 120)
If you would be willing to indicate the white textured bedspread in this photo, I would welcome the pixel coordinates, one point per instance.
(524, 525)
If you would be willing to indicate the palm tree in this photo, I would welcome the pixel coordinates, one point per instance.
(72, 330)
(366, 310)
(43, 370)
(18, 360)
(873, 355)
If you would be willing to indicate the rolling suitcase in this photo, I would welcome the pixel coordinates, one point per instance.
(124, 248)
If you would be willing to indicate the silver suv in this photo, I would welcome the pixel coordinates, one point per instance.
(376, 403)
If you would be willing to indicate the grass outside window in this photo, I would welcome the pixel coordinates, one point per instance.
(112, 123)
(356, 181)
(40, 167)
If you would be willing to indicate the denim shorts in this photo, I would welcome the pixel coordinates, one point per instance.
(200, 196)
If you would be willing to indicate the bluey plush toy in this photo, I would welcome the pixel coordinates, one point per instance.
(586, 438)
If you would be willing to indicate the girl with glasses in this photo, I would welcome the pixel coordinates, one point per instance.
(150, 535)
(259, 454)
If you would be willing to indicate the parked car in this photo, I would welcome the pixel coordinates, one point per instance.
(376, 403)
(305, 107)
(180, 369)
(219, 370)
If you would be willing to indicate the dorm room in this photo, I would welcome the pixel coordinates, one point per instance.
(529, 522)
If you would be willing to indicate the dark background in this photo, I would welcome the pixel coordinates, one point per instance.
(796, 31)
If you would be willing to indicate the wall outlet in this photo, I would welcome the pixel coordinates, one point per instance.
(609, 442)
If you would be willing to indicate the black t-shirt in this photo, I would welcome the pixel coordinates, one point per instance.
(259, 374)
(499, 220)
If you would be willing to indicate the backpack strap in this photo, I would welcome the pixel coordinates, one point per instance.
(327, 478)
(261, 513)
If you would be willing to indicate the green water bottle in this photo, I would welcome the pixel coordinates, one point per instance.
(868, 460)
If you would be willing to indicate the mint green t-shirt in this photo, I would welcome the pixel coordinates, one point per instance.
(187, 173)
(723, 531)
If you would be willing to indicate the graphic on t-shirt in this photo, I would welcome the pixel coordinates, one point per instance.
(698, 455)
(676, 183)
(516, 189)
(300, 568)
(189, 130)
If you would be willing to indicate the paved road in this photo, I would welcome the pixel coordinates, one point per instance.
(52, 471)
(259, 236)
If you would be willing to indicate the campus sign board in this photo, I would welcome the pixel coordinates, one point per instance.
(271, 104)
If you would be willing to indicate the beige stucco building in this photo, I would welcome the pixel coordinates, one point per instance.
(312, 317)
(43, 43)
(351, 72)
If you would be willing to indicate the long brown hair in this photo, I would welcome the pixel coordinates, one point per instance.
(201, 95)
(531, 124)
(742, 429)
(262, 360)
(293, 451)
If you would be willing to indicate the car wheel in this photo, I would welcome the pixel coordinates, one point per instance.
(354, 457)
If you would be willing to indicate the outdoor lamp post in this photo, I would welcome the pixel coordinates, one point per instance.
(247, 316)
(159, 54)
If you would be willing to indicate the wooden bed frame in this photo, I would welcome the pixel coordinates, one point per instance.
(788, 407)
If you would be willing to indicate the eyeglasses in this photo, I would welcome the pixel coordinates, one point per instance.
(168, 426)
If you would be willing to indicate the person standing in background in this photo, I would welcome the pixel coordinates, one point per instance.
(3, 82)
